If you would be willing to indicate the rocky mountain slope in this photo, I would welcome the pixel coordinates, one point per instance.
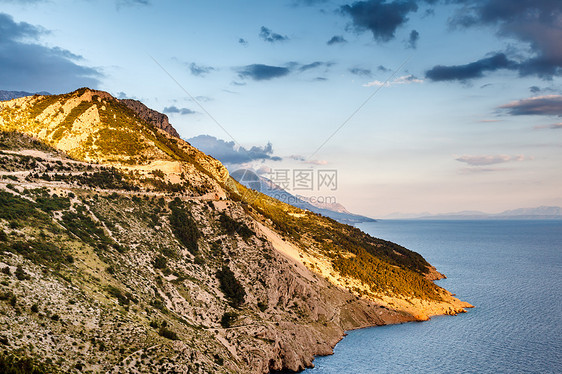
(125, 250)
(158, 119)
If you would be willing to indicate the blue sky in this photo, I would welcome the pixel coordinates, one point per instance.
(462, 98)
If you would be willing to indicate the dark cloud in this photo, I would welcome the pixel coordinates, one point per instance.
(360, 72)
(472, 70)
(27, 65)
(228, 153)
(314, 65)
(175, 110)
(413, 40)
(379, 17)
(271, 37)
(537, 89)
(243, 41)
(550, 105)
(536, 22)
(200, 70)
(260, 72)
(383, 69)
(336, 39)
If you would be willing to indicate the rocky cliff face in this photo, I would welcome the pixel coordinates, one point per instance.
(153, 259)
(158, 119)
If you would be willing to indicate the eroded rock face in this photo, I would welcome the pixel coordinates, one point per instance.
(158, 119)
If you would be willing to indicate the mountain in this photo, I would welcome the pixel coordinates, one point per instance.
(542, 212)
(153, 117)
(9, 95)
(264, 185)
(125, 249)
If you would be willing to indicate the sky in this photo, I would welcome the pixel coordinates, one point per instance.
(409, 105)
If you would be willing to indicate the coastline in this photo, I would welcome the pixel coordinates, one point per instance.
(453, 307)
(356, 312)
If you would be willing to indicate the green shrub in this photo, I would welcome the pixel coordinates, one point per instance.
(228, 319)
(168, 334)
(232, 226)
(160, 262)
(12, 364)
(20, 274)
(231, 287)
(184, 226)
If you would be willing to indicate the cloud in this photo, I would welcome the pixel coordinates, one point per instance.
(316, 162)
(383, 69)
(550, 105)
(122, 3)
(336, 39)
(243, 41)
(314, 65)
(360, 72)
(484, 160)
(27, 65)
(489, 120)
(554, 126)
(470, 71)
(200, 70)
(405, 79)
(309, 2)
(534, 22)
(304, 160)
(379, 17)
(260, 72)
(228, 153)
(271, 37)
(413, 41)
(175, 110)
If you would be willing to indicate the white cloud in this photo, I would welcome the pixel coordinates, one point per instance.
(405, 79)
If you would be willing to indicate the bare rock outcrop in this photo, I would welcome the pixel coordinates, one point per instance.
(151, 116)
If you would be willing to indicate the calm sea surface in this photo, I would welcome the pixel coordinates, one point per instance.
(510, 270)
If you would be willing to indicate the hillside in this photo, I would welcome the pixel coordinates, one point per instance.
(124, 249)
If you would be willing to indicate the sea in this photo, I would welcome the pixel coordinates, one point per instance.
(511, 271)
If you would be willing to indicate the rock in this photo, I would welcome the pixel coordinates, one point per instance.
(151, 116)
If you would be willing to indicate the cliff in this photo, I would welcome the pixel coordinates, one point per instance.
(158, 119)
(124, 249)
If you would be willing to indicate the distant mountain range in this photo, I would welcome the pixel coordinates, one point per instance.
(332, 210)
(9, 95)
(542, 212)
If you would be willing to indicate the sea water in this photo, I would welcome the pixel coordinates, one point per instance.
(511, 271)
